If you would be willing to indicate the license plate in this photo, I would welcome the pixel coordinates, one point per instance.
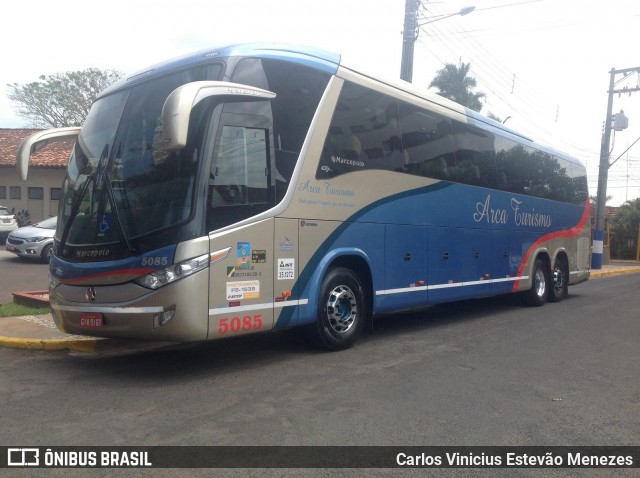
(90, 320)
(11, 247)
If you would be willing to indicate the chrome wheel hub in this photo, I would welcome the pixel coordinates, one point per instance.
(342, 309)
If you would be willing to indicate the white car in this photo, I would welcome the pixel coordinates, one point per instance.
(34, 241)
(8, 223)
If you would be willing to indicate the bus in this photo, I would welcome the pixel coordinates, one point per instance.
(259, 187)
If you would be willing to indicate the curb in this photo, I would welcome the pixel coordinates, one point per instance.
(77, 345)
(598, 274)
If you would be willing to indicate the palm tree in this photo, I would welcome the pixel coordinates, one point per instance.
(454, 82)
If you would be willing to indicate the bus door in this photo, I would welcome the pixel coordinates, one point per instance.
(477, 263)
(241, 185)
(445, 264)
(241, 281)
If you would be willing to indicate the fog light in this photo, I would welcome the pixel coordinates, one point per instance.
(163, 318)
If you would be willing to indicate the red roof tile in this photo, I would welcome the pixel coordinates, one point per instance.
(54, 155)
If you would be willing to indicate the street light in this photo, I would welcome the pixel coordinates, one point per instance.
(463, 11)
(410, 34)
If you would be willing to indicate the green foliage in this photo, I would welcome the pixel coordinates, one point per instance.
(60, 100)
(15, 310)
(624, 230)
(453, 82)
(23, 217)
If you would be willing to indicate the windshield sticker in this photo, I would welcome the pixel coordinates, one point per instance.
(259, 256)
(105, 224)
(240, 290)
(244, 252)
(244, 270)
(286, 244)
(286, 269)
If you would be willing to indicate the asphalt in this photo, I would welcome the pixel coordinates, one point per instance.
(38, 332)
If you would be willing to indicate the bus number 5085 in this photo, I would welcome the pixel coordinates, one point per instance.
(237, 324)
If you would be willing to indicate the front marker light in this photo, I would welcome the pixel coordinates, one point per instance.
(162, 277)
(53, 281)
(162, 319)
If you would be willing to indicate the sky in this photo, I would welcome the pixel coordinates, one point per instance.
(544, 65)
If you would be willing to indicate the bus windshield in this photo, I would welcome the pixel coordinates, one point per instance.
(120, 184)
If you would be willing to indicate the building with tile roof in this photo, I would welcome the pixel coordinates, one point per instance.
(40, 194)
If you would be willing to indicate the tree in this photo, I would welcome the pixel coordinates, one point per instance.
(60, 100)
(625, 230)
(454, 82)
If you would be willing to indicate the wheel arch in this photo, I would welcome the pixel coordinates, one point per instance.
(354, 259)
(562, 254)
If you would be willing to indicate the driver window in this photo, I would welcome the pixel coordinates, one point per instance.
(240, 172)
(240, 180)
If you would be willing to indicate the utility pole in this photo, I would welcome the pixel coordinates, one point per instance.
(598, 236)
(411, 30)
(409, 37)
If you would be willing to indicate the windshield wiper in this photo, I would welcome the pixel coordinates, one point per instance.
(116, 216)
(74, 211)
(91, 178)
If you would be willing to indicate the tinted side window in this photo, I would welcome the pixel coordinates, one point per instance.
(364, 134)
(298, 91)
(475, 155)
(579, 182)
(427, 140)
(512, 169)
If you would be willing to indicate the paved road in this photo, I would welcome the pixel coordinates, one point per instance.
(485, 372)
(17, 274)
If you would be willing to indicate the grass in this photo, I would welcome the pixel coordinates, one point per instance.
(13, 310)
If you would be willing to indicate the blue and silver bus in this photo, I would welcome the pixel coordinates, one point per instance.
(259, 187)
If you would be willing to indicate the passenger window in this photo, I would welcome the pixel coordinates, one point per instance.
(364, 134)
(475, 155)
(427, 144)
(298, 91)
(512, 171)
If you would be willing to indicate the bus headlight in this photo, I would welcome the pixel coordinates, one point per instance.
(170, 274)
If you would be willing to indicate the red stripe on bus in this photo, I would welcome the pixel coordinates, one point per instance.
(134, 272)
(574, 231)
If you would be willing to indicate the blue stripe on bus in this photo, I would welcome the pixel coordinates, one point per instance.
(139, 264)
(444, 204)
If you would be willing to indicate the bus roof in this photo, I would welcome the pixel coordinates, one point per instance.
(321, 60)
(312, 57)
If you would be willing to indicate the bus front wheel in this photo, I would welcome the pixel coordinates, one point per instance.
(342, 309)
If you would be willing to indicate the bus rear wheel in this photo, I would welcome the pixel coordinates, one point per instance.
(537, 295)
(560, 286)
(342, 309)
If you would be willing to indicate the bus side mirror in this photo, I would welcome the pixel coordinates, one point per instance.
(37, 141)
(178, 105)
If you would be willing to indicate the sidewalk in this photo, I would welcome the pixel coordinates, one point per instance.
(38, 332)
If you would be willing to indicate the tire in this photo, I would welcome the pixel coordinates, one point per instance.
(537, 295)
(45, 255)
(342, 310)
(560, 281)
